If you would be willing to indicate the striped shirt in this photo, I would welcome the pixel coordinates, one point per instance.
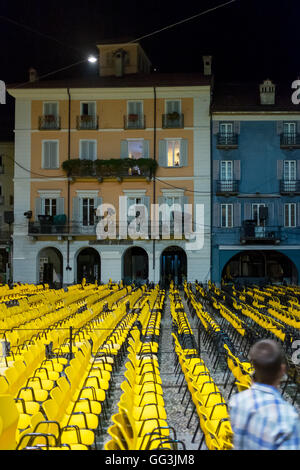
(262, 420)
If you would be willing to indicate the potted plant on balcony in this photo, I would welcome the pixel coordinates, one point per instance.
(133, 117)
(174, 116)
(49, 118)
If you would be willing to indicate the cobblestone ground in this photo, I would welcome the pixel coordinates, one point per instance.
(177, 404)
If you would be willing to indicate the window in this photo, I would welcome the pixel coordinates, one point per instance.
(49, 206)
(50, 154)
(289, 170)
(88, 150)
(226, 170)
(135, 149)
(88, 211)
(226, 132)
(226, 215)
(173, 114)
(290, 215)
(256, 214)
(135, 118)
(88, 109)
(173, 153)
(51, 109)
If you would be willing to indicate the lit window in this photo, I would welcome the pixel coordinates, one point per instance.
(173, 153)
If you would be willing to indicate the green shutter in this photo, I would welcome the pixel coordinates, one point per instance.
(60, 201)
(76, 209)
(38, 207)
(162, 153)
(184, 152)
(124, 149)
(146, 149)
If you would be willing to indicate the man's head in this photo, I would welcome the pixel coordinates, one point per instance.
(268, 360)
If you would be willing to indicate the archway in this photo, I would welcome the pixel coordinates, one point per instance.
(135, 265)
(260, 266)
(173, 266)
(50, 267)
(88, 265)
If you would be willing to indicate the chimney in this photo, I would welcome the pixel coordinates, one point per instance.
(207, 60)
(33, 75)
(267, 92)
(119, 62)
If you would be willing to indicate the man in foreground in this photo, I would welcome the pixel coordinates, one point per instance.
(261, 419)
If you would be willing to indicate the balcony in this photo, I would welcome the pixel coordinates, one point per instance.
(134, 121)
(227, 141)
(49, 122)
(227, 188)
(87, 122)
(289, 187)
(266, 235)
(77, 229)
(113, 168)
(290, 140)
(173, 121)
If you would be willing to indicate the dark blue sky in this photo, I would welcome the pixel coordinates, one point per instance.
(249, 39)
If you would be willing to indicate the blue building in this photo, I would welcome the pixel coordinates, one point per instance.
(255, 183)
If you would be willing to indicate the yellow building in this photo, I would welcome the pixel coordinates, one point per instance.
(127, 133)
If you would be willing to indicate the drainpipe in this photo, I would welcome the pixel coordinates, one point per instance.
(211, 189)
(154, 180)
(68, 267)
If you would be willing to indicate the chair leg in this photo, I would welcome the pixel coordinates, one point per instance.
(193, 412)
(201, 442)
(195, 433)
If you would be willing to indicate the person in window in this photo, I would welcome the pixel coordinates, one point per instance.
(260, 418)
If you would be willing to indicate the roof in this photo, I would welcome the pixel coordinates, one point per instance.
(244, 97)
(130, 80)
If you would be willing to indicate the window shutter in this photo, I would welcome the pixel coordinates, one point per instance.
(216, 169)
(279, 127)
(84, 150)
(162, 153)
(60, 201)
(184, 152)
(146, 148)
(280, 213)
(92, 151)
(98, 202)
(46, 155)
(38, 207)
(50, 155)
(92, 109)
(76, 209)
(279, 169)
(124, 149)
(298, 170)
(270, 207)
(247, 211)
(215, 127)
(146, 202)
(237, 215)
(237, 169)
(216, 215)
(298, 214)
(236, 127)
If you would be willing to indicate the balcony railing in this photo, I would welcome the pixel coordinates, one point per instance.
(173, 121)
(230, 187)
(290, 140)
(289, 187)
(252, 233)
(49, 122)
(163, 231)
(134, 121)
(227, 140)
(87, 122)
(113, 168)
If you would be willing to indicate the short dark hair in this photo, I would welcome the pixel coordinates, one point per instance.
(267, 358)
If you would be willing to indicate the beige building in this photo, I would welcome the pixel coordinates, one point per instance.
(128, 132)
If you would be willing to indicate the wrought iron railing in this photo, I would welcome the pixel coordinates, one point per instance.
(227, 187)
(49, 122)
(260, 234)
(289, 186)
(227, 140)
(173, 121)
(87, 122)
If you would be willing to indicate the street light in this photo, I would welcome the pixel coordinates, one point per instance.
(92, 59)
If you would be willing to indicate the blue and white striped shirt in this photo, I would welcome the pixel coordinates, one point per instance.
(262, 420)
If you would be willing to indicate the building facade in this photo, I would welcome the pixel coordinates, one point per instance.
(6, 207)
(125, 135)
(255, 184)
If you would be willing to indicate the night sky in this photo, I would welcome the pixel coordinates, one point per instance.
(248, 39)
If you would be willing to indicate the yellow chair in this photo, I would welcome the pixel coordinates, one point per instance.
(9, 418)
